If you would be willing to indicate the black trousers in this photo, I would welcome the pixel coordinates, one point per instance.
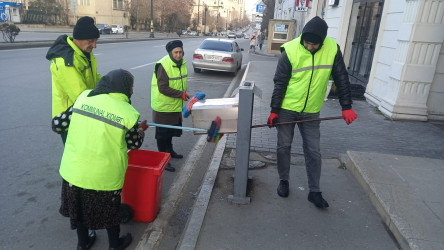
(164, 137)
(165, 145)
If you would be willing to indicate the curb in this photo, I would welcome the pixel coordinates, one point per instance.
(191, 232)
(386, 217)
(194, 224)
(154, 231)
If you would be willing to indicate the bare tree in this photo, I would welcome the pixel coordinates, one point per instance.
(268, 14)
(45, 11)
(179, 9)
(64, 12)
(139, 11)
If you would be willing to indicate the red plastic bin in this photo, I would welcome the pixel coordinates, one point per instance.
(142, 189)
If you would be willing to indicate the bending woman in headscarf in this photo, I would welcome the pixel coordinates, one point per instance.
(102, 126)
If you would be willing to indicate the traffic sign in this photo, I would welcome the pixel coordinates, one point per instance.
(260, 8)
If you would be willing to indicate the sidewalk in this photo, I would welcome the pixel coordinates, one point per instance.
(44, 37)
(377, 174)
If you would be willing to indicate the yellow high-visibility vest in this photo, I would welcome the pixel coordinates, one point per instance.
(177, 80)
(309, 76)
(95, 155)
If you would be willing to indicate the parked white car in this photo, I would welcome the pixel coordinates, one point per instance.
(117, 29)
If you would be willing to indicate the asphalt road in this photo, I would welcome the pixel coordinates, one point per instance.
(30, 152)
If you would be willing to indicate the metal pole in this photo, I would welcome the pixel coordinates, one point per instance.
(205, 26)
(243, 140)
(152, 23)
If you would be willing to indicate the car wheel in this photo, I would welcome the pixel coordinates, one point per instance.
(234, 73)
(196, 70)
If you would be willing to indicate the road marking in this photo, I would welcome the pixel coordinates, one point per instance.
(144, 65)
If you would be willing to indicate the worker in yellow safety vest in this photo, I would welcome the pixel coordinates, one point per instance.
(102, 125)
(300, 84)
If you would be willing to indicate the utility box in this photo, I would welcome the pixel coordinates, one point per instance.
(279, 32)
(205, 111)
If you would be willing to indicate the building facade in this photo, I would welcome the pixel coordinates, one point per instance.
(103, 11)
(227, 9)
(394, 48)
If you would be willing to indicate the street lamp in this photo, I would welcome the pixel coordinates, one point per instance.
(152, 23)
(205, 25)
(219, 5)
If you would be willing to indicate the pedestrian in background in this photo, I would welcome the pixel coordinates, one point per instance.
(260, 40)
(168, 96)
(253, 44)
(102, 126)
(73, 65)
(300, 84)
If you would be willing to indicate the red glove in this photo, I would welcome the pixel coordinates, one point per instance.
(185, 96)
(349, 115)
(272, 119)
(143, 126)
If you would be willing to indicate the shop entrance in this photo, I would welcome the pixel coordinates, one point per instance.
(361, 39)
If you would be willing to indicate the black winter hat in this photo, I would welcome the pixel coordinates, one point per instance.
(312, 38)
(173, 44)
(315, 30)
(85, 29)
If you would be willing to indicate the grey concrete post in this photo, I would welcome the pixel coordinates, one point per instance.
(243, 139)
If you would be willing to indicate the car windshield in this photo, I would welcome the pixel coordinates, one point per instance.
(100, 25)
(216, 45)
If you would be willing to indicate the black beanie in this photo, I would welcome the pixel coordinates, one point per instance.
(311, 38)
(85, 29)
(173, 44)
(315, 30)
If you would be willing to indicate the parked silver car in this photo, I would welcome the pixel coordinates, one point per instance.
(218, 55)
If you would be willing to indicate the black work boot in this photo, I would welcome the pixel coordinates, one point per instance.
(92, 239)
(170, 168)
(124, 242)
(316, 198)
(283, 188)
(169, 149)
(175, 155)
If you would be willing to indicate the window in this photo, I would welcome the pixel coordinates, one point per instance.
(118, 4)
(216, 45)
(83, 2)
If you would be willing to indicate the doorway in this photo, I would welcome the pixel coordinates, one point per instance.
(361, 39)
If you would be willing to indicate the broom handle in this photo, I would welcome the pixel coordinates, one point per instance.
(311, 120)
(176, 127)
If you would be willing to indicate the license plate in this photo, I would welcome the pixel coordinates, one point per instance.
(214, 58)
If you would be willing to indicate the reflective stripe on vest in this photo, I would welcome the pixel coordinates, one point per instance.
(177, 80)
(95, 155)
(310, 74)
(100, 118)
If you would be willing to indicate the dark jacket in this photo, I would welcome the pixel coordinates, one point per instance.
(284, 68)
